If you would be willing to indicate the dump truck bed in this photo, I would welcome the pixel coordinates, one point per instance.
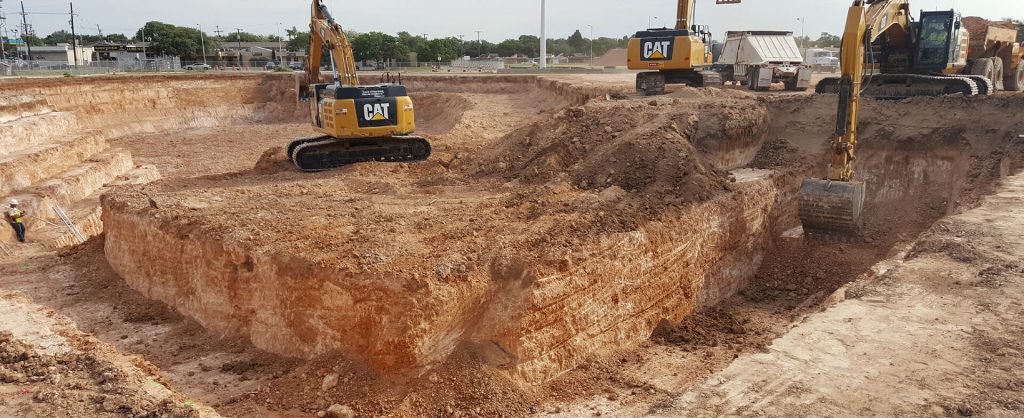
(760, 47)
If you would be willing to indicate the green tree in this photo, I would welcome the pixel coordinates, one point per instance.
(529, 46)
(33, 40)
(828, 40)
(174, 40)
(576, 42)
(477, 49)
(244, 37)
(377, 46)
(297, 40)
(508, 47)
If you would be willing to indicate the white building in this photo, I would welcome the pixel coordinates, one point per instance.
(62, 53)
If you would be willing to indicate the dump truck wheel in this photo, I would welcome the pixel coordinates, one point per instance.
(1014, 80)
(997, 74)
(983, 67)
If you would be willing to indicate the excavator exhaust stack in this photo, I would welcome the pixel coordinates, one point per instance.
(831, 206)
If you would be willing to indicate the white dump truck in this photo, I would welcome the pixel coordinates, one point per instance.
(760, 58)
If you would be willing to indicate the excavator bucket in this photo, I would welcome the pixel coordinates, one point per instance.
(831, 206)
(302, 85)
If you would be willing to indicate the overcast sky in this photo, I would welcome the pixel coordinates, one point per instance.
(497, 19)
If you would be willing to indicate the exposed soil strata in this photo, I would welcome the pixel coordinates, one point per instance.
(399, 276)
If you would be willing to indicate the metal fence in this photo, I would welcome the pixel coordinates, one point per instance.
(44, 68)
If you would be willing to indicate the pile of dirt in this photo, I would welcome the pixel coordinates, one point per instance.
(613, 58)
(80, 384)
(776, 153)
(646, 148)
(977, 26)
(461, 386)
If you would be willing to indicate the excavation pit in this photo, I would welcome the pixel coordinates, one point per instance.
(538, 238)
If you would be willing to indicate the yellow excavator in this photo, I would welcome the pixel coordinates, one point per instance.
(675, 56)
(357, 123)
(928, 57)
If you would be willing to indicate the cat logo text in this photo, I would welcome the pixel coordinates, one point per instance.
(377, 111)
(656, 50)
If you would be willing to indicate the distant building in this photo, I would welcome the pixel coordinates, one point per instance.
(255, 53)
(62, 53)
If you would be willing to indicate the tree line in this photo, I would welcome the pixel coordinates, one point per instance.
(183, 41)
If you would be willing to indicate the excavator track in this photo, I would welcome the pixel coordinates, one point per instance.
(900, 86)
(325, 152)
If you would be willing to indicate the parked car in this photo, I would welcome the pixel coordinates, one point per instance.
(197, 67)
(271, 66)
(295, 65)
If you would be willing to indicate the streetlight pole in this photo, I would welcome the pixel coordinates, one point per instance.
(591, 45)
(803, 32)
(280, 45)
(202, 40)
(543, 36)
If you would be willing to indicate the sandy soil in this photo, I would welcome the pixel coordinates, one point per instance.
(940, 329)
(950, 296)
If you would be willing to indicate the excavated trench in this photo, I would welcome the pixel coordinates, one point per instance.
(548, 229)
(540, 239)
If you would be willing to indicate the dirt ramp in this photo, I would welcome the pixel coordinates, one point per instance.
(438, 113)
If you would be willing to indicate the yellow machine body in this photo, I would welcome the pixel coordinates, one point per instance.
(667, 53)
(341, 118)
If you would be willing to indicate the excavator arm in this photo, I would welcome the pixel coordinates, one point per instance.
(866, 22)
(835, 203)
(326, 34)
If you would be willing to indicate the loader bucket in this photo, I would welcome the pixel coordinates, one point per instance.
(831, 206)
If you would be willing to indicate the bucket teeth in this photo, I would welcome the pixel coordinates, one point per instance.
(831, 206)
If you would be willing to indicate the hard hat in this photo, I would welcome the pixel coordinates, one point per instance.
(14, 201)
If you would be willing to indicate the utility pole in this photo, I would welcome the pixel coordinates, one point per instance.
(479, 44)
(591, 45)
(3, 36)
(220, 33)
(202, 40)
(25, 33)
(462, 45)
(803, 31)
(239, 32)
(280, 46)
(543, 36)
(74, 40)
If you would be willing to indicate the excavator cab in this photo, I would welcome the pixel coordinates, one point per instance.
(940, 42)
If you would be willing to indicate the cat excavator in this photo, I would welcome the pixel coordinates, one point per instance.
(674, 56)
(912, 59)
(357, 123)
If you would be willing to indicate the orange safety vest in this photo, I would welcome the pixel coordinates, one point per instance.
(16, 214)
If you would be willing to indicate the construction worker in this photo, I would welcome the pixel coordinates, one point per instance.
(16, 217)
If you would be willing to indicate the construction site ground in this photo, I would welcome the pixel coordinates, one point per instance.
(571, 194)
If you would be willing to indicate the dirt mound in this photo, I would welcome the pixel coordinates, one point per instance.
(977, 26)
(640, 148)
(613, 58)
(776, 153)
(80, 384)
